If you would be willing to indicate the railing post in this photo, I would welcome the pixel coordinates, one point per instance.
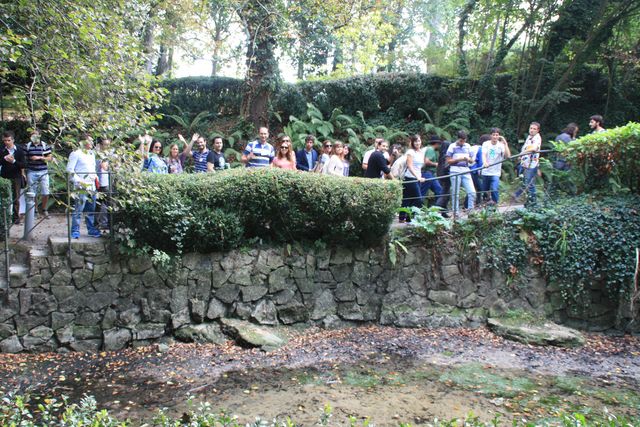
(29, 213)
(6, 243)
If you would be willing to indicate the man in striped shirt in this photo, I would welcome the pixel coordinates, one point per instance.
(199, 155)
(38, 154)
(259, 153)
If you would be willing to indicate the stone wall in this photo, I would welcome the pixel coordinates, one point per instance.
(98, 299)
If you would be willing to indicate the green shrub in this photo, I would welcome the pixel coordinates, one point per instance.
(204, 212)
(5, 201)
(605, 156)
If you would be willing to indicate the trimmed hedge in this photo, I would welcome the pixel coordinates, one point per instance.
(218, 95)
(209, 212)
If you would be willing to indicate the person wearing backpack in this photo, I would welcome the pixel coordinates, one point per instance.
(38, 155)
(412, 177)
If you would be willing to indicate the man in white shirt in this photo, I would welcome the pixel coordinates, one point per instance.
(81, 168)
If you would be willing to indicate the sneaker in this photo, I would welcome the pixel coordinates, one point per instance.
(95, 233)
(75, 234)
(45, 214)
(16, 221)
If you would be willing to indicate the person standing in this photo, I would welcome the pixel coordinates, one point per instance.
(38, 154)
(567, 135)
(103, 199)
(200, 155)
(376, 147)
(596, 123)
(529, 160)
(442, 171)
(430, 168)
(494, 151)
(285, 158)
(81, 168)
(215, 159)
(335, 165)
(325, 156)
(259, 153)
(377, 163)
(459, 158)
(346, 161)
(12, 163)
(307, 157)
(152, 155)
(412, 177)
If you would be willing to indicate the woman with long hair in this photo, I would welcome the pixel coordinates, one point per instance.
(285, 157)
(346, 161)
(175, 159)
(411, 195)
(151, 150)
(335, 166)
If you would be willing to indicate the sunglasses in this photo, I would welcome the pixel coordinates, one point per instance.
(157, 147)
(284, 147)
(328, 146)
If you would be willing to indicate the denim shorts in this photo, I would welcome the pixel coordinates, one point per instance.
(37, 179)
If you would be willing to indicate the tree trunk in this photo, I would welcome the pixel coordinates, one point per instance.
(262, 67)
(164, 61)
(148, 37)
(463, 69)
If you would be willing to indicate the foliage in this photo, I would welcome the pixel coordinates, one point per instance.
(76, 63)
(205, 212)
(606, 159)
(17, 411)
(220, 96)
(428, 221)
(5, 202)
(582, 244)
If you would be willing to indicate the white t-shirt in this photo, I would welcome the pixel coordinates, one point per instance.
(493, 153)
(418, 162)
(82, 167)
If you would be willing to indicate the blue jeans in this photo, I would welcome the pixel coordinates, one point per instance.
(410, 194)
(530, 175)
(432, 185)
(491, 183)
(467, 183)
(85, 203)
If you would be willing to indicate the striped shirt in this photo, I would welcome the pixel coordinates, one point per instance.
(200, 160)
(41, 149)
(263, 154)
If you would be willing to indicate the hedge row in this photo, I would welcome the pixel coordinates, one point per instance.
(5, 201)
(211, 212)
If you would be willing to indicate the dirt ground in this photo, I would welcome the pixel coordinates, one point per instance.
(386, 374)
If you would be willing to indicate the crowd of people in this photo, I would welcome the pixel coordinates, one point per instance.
(441, 167)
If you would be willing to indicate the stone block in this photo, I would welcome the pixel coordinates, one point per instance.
(196, 261)
(340, 256)
(130, 317)
(34, 281)
(341, 272)
(116, 339)
(345, 292)
(26, 323)
(417, 284)
(24, 297)
(146, 331)
(265, 313)
(86, 332)
(109, 319)
(241, 277)
(82, 277)
(99, 271)
(86, 346)
(43, 303)
(216, 309)
(198, 308)
(253, 293)
(76, 260)
(138, 265)
(443, 297)
(350, 311)
(293, 312)
(180, 318)
(179, 299)
(6, 330)
(325, 305)
(203, 333)
(284, 296)
(278, 279)
(199, 289)
(96, 301)
(61, 278)
(65, 334)
(11, 345)
(219, 277)
(88, 318)
(228, 293)
(243, 310)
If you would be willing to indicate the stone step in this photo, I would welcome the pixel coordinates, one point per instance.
(18, 274)
(38, 259)
(85, 245)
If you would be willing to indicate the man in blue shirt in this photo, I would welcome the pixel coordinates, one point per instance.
(307, 157)
(201, 153)
(259, 153)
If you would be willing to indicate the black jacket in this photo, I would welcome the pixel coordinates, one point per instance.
(12, 170)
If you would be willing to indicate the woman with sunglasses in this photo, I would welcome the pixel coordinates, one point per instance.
(285, 157)
(151, 150)
(325, 155)
(335, 166)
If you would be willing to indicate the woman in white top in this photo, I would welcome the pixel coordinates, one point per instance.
(335, 165)
(412, 178)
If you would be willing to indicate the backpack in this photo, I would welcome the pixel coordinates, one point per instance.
(399, 167)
